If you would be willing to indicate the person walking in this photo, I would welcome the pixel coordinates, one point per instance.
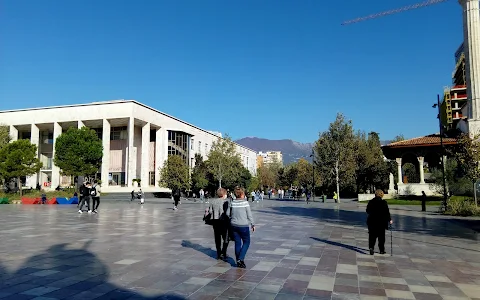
(201, 193)
(176, 198)
(95, 192)
(378, 220)
(241, 221)
(85, 197)
(218, 209)
(424, 201)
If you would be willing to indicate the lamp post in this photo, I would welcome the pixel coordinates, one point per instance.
(437, 105)
(313, 173)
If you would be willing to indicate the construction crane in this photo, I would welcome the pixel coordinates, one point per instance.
(394, 11)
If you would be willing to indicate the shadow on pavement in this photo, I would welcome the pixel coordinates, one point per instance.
(349, 247)
(440, 226)
(207, 251)
(57, 272)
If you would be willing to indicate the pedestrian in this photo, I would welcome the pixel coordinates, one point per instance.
(95, 193)
(378, 220)
(176, 198)
(201, 193)
(133, 195)
(84, 197)
(424, 201)
(241, 221)
(218, 210)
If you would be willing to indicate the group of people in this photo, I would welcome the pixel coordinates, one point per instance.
(231, 219)
(89, 196)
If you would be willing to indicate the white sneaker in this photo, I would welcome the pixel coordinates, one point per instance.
(175, 208)
(89, 211)
(80, 212)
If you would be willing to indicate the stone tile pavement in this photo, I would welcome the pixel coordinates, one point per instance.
(300, 251)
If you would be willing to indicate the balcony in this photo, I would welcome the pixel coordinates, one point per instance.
(47, 163)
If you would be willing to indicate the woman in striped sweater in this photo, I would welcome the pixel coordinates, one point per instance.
(241, 221)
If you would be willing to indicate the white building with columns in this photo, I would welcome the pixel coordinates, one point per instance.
(137, 140)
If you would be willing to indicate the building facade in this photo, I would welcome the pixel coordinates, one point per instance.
(270, 157)
(136, 139)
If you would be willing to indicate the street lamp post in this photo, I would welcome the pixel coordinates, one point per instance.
(437, 105)
(313, 174)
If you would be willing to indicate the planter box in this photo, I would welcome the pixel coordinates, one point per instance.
(26, 200)
(73, 200)
(4, 201)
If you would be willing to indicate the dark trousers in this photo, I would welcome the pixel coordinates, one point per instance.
(241, 236)
(83, 201)
(96, 202)
(176, 200)
(373, 235)
(220, 233)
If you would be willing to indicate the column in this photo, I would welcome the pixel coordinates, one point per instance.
(158, 154)
(57, 131)
(130, 174)
(32, 181)
(80, 124)
(471, 35)
(399, 170)
(420, 165)
(13, 133)
(145, 167)
(106, 152)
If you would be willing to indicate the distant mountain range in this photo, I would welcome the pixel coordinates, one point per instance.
(291, 150)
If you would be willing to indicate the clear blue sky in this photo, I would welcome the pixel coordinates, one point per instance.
(270, 68)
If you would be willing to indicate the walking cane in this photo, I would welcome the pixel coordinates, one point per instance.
(391, 240)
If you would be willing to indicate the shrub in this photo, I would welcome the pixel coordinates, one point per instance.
(462, 207)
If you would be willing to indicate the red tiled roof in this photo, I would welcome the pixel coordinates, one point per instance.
(429, 140)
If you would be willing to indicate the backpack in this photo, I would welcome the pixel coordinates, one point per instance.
(93, 191)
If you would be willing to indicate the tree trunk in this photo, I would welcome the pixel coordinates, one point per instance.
(220, 183)
(475, 193)
(19, 183)
(338, 182)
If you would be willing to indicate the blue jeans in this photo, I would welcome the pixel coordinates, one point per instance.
(241, 234)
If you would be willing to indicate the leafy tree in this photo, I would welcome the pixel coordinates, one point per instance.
(78, 152)
(398, 138)
(467, 154)
(410, 171)
(199, 173)
(254, 184)
(18, 159)
(267, 175)
(223, 160)
(335, 153)
(456, 182)
(175, 173)
(4, 135)
(305, 174)
(243, 179)
(288, 175)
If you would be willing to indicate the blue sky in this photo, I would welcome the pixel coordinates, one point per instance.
(271, 68)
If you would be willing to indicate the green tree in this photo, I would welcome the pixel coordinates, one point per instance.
(467, 154)
(78, 152)
(4, 135)
(223, 160)
(398, 138)
(267, 175)
(175, 173)
(335, 153)
(199, 173)
(288, 175)
(305, 174)
(254, 184)
(18, 159)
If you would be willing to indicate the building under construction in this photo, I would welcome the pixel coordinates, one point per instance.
(454, 105)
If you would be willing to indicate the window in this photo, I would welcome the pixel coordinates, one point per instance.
(199, 146)
(151, 176)
(206, 148)
(118, 133)
(46, 137)
(178, 144)
(192, 144)
(99, 132)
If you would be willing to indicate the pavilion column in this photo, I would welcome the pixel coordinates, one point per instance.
(57, 131)
(13, 133)
(106, 153)
(420, 164)
(399, 170)
(131, 173)
(145, 167)
(158, 154)
(35, 140)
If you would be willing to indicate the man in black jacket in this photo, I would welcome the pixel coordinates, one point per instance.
(377, 221)
(85, 197)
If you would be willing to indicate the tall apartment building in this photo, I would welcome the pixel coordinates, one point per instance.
(454, 105)
(269, 157)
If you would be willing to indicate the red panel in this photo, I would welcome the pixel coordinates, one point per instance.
(26, 200)
(52, 201)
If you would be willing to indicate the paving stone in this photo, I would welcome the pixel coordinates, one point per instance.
(315, 251)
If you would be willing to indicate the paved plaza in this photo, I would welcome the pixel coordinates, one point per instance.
(300, 251)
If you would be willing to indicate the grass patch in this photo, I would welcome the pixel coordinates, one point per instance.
(38, 194)
(413, 202)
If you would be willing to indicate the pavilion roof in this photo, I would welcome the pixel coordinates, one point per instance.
(428, 140)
